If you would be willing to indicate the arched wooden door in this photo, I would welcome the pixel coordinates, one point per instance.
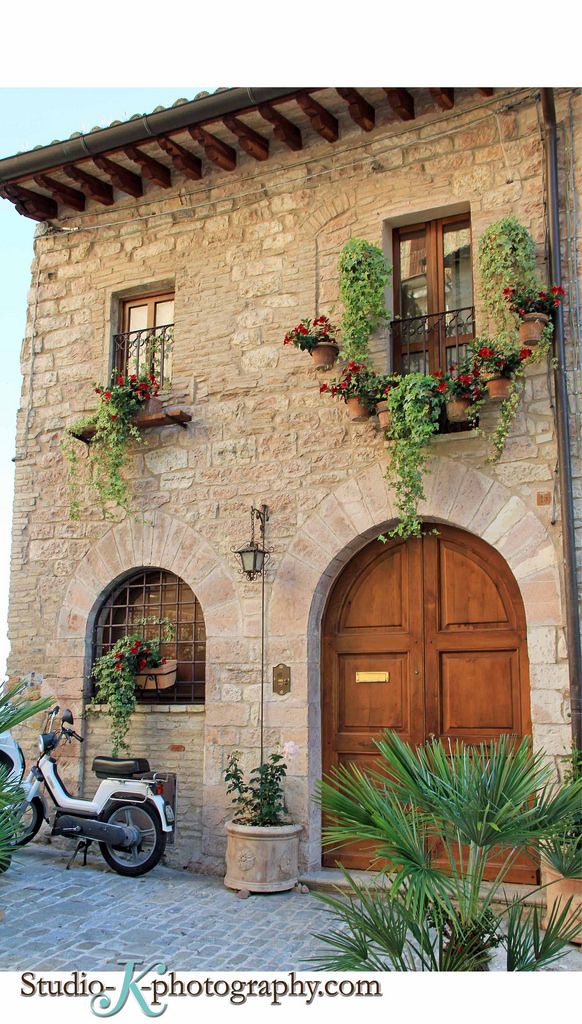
(426, 637)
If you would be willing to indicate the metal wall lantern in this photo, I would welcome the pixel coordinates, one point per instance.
(253, 555)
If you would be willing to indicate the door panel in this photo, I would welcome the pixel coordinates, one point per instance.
(426, 637)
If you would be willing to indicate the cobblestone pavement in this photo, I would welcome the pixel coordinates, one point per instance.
(89, 918)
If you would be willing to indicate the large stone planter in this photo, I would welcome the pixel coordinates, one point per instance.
(262, 859)
(560, 888)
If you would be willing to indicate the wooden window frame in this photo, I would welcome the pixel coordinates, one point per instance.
(144, 300)
(124, 341)
(433, 232)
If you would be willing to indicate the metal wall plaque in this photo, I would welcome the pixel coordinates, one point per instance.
(372, 677)
(281, 679)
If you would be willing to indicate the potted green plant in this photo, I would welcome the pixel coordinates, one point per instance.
(363, 276)
(318, 337)
(534, 307)
(498, 365)
(464, 391)
(442, 817)
(357, 387)
(262, 850)
(384, 387)
(132, 662)
(112, 428)
(415, 404)
(507, 259)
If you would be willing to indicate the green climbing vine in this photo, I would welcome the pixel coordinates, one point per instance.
(363, 276)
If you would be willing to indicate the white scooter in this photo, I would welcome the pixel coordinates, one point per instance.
(129, 815)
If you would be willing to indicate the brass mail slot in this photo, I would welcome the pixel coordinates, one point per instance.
(372, 677)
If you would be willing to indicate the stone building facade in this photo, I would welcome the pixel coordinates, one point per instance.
(247, 254)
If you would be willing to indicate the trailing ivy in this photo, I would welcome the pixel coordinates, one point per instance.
(114, 427)
(415, 405)
(363, 275)
(507, 259)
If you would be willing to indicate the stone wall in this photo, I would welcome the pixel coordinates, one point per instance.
(172, 739)
(247, 262)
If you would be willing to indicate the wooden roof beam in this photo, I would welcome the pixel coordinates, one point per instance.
(283, 129)
(444, 97)
(124, 180)
(30, 204)
(252, 142)
(324, 123)
(93, 187)
(183, 160)
(360, 110)
(69, 196)
(216, 150)
(486, 92)
(401, 102)
(150, 168)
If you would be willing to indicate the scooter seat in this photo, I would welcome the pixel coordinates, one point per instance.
(120, 767)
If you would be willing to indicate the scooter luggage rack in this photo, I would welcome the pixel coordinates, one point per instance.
(169, 782)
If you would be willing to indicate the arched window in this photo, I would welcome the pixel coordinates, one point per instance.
(156, 594)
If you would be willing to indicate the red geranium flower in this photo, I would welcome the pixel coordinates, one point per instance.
(485, 352)
(323, 387)
(442, 386)
(106, 395)
(524, 353)
(120, 379)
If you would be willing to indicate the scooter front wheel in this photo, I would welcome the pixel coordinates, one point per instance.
(146, 853)
(29, 823)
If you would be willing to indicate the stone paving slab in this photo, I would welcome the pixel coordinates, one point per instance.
(89, 918)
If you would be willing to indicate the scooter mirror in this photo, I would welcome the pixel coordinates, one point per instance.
(67, 716)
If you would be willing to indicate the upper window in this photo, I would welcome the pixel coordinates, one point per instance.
(155, 594)
(147, 331)
(433, 294)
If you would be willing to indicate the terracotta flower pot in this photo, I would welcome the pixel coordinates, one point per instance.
(561, 889)
(458, 410)
(498, 388)
(158, 678)
(151, 406)
(324, 355)
(262, 858)
(357, 410)
(384, 415)
(531, 328)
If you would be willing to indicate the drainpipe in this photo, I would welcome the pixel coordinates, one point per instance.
(562, 427)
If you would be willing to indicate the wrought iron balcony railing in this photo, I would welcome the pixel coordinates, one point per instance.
(423, 344)
(146, 351)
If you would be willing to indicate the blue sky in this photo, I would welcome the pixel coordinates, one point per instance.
(32, 117)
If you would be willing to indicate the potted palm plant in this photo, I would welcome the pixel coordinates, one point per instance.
(442, 818)
(562, 860)
(262, 850)
(14, 709)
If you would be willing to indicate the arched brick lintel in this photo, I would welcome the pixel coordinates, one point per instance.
(166, 543)
(359, 509)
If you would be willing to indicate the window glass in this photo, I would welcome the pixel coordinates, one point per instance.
(413, 280)
(456, 259)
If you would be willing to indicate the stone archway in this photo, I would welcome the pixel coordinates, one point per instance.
(356, 512)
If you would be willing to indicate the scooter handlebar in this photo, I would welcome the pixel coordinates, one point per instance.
(74, 735)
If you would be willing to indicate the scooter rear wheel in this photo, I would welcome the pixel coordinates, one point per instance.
(147, 853)
(29, 823)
